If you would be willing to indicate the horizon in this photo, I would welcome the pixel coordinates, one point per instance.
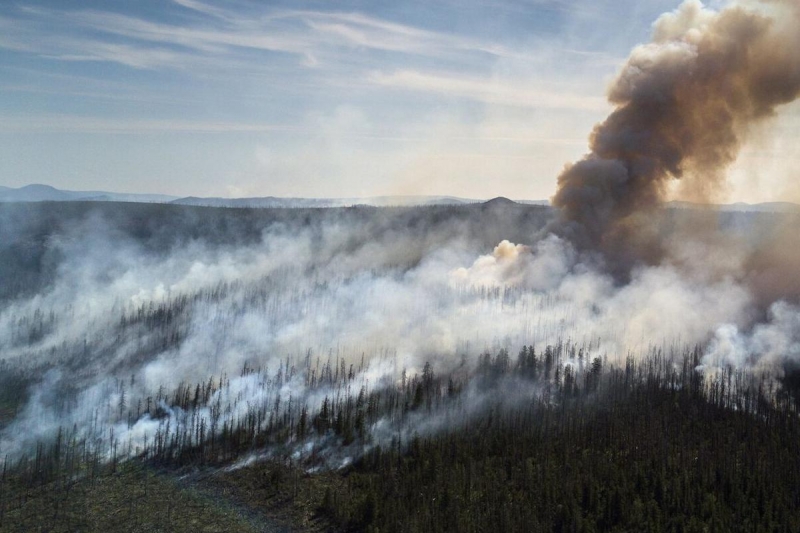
(350, 99)
(148, 197)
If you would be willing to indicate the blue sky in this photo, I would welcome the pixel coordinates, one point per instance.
(472, 98)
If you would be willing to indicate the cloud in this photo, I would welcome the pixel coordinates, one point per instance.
(307, 34)
(93, 35)
(89, 124)
(493, 91)
(204, 8)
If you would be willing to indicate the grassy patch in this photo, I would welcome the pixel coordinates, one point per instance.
(289, 494)
(133, 498)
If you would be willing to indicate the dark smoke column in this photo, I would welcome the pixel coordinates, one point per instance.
(683, 105)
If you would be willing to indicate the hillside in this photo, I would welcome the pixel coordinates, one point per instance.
(171, 367)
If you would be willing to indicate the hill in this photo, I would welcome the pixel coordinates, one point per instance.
(45, 193)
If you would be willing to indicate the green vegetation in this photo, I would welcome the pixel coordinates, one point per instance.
(129, 498)
(654, 461)
(648, 447)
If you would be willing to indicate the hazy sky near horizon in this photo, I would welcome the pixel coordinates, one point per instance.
(472, 98)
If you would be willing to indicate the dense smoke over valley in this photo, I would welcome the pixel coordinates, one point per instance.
(272, 309)
(127, 326)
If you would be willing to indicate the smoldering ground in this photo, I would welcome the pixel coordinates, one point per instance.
(140, 303)
(131, 308)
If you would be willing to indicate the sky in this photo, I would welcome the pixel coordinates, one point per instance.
(470, 98)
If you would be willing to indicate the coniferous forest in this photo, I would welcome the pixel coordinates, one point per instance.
(168, 368)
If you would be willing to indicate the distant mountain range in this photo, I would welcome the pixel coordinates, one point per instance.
(46, 193)
(274, 201)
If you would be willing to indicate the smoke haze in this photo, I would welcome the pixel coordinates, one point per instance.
(137, 308)
(113, 305)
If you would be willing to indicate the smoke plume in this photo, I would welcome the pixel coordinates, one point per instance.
(685, 103)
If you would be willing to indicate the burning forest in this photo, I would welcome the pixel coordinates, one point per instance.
(612, 362)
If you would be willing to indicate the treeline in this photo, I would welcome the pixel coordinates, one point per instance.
(643, 459)
(549, 440)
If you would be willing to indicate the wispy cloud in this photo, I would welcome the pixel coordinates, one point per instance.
(33, 37)
(204, 8)
(494, 91)
(87, 124)
(356, 29)
(150, 44)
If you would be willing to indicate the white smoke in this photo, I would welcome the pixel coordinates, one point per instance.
(298, 299)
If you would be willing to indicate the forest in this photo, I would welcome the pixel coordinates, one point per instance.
(625, 358)
(177, 368)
